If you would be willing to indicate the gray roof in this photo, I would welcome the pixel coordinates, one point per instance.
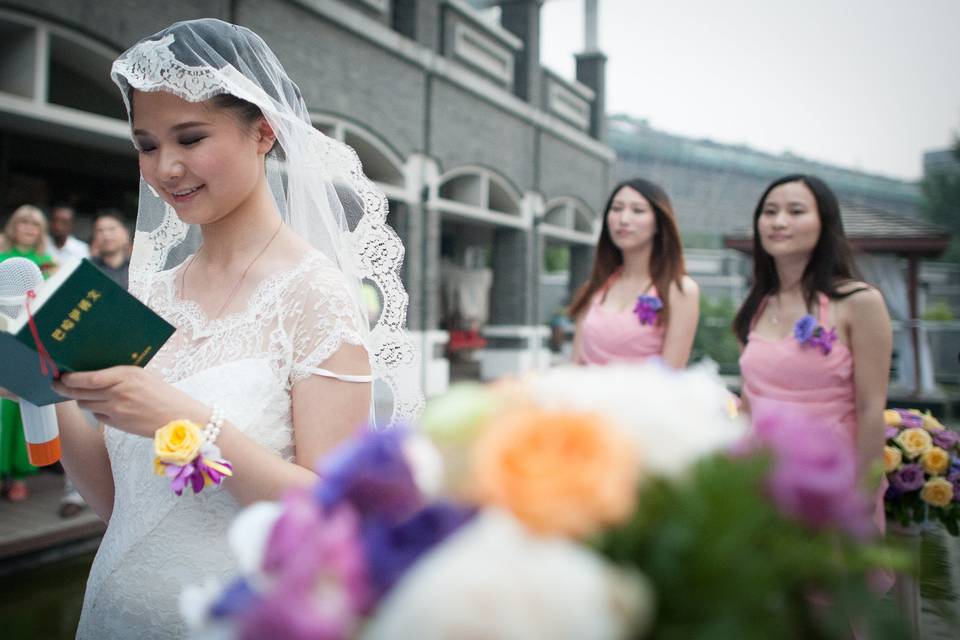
(635, 138)
(862, 221)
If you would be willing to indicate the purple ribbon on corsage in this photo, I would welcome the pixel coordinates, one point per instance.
(647, 308)
(808, 333)
(206, 469)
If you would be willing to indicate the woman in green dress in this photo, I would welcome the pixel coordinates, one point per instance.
(25, 236)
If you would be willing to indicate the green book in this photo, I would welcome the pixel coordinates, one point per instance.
(86, 322)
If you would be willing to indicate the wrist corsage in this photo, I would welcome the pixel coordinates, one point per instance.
(808, 333)
(647, 308)
(185, 453)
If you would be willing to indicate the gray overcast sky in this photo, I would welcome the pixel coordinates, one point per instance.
(868, 84)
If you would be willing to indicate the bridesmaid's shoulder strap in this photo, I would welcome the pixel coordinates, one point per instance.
(602, 292)
(824, 308)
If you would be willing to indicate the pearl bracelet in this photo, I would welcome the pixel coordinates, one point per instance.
(212, 429)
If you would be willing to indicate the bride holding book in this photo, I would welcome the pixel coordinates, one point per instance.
(254, 234)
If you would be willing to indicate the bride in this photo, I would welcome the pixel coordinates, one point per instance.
(254, 232)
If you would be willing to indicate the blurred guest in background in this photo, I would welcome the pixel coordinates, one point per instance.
(111, 245)
(24, 236)
(63, 246)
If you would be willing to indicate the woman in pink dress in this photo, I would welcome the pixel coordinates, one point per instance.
(815, 340)
(639, 301)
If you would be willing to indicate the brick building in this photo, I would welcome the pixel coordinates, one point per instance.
(487, 157)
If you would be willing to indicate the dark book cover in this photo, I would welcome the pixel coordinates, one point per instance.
(86, 322)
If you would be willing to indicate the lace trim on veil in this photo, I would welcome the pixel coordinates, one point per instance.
(370, 252)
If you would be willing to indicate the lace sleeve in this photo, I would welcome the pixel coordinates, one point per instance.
(320, 317)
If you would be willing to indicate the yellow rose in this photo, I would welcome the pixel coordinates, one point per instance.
(935, 461)
(891, 418)
(937, 491)
(559, 473)
(891, 459)
(177, 442)
(914, 441)
(929, 422)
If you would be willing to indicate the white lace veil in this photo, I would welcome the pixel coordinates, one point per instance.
(317, 183)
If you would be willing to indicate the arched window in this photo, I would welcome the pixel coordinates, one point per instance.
(479, 194)
(56, 82)
(569, 219)
(380, 163)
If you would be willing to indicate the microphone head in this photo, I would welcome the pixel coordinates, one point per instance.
(17, 276)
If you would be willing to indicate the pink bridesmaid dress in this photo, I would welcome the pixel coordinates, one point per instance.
(782, 375)
(608, 336)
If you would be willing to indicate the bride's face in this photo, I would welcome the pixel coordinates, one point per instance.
(199, 158)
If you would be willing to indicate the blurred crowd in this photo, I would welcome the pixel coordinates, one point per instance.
(48, 240)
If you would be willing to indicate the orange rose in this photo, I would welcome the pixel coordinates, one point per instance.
(559, 473)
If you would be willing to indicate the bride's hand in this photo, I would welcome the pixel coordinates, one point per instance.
(7, 395)
(130, 399)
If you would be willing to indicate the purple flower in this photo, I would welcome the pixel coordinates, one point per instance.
(945, 438)
(195, 474)
(813, 478)
(908, 477)
(807, 332)
(180, 477)
(646, 308)
(297, 614)
(370, 472)
(909, 419)
(824, 339)
(890, 433)
(393, 548)
(321, 584)
(954, 479)
(236, 599)
(301, 518)
(803, 329)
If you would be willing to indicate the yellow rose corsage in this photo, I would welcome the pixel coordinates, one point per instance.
(184, 456)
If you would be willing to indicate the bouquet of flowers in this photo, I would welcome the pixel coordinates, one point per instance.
(922, 463)
(618, 502)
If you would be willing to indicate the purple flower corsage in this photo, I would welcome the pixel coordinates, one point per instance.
(647, 308)
(808, 332)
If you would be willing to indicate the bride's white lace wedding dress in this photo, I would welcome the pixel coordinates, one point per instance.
(247, 362)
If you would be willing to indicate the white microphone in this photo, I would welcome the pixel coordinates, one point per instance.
(40, 429)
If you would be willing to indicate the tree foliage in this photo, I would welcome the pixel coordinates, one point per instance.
(941, 192)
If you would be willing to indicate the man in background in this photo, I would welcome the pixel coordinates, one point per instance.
(63, 246)
(111, 245)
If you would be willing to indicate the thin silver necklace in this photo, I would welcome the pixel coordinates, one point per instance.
(233, 291)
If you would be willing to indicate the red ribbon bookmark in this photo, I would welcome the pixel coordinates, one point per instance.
(41, 349)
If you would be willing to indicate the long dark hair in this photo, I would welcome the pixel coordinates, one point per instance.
(831, 262)
(666, 258)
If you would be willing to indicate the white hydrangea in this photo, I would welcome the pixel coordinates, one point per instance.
(675, 417)
(493, 579)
